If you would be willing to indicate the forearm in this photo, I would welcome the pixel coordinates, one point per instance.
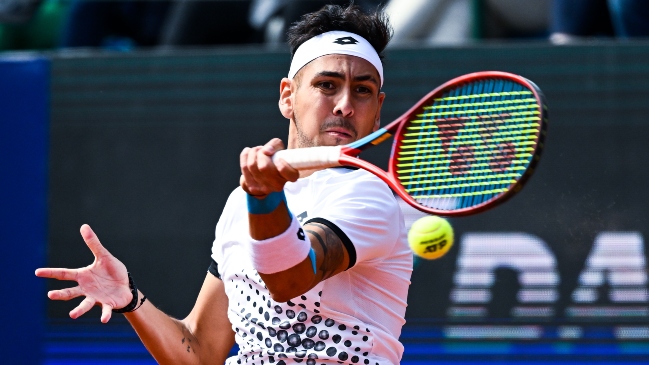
(274, 223)
(169, 340)
(204, 337)
(291, 259)
(286, 270)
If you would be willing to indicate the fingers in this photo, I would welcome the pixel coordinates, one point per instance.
(82, 308)
(287, 171)
(272, 146)
(247, 181)
(106, 312)
(259, 174)
(65, 294)
(92, 241)
(59, 274)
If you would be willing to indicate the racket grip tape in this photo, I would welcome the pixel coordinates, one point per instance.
(310, 158)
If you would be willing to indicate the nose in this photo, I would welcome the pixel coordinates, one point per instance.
(344, 107)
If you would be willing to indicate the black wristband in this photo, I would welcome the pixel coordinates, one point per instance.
(133, 304)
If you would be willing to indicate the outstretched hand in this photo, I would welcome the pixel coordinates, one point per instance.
(104, 282)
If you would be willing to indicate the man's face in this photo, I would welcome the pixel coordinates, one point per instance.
(333, 100)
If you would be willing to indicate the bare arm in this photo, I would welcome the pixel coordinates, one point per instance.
(331, 258)
(203, 337)
(261, 177)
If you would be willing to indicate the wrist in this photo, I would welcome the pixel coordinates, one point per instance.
(269, 255)
(142, 299)
(134, 304)
(268, 217)
(265, 204)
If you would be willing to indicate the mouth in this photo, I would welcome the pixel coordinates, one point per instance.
(340, 133)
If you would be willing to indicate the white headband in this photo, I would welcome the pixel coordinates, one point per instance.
(336, 42)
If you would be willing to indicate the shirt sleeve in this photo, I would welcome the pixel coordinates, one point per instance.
(365, 212)
(224, 223)
(214, 269)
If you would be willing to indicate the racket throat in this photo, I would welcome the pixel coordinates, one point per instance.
(368, 141)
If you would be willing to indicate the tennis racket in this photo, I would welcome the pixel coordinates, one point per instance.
(467, 146)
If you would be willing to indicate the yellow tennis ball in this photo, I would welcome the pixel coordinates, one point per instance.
(430, 237)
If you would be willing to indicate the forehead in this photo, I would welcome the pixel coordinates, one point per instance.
(350, 66)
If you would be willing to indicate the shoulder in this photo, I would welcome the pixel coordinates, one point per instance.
(232, 222)
(236, 197)
(232, 210)
(237, 193)
(355, 181)
(363, 207)
(354, 195)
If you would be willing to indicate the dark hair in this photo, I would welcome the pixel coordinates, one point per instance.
(374, 27)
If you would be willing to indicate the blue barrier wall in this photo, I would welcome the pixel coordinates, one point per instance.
(24, 125)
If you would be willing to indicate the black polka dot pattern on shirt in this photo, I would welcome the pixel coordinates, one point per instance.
(268, 332)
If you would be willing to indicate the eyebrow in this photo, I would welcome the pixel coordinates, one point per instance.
(341, 76)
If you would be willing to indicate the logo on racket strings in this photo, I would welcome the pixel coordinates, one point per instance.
(462, 156)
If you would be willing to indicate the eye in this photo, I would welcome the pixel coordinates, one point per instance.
(364, 90)
(326, 85)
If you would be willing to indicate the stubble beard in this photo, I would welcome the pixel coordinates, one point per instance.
(303, 141)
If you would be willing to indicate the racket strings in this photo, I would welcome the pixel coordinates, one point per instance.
(475, 151)
(470, 145)
(478, 127)
(469, 158)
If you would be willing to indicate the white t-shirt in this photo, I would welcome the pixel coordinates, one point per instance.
(354, 317)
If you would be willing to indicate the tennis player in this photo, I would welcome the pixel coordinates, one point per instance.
(308, 266)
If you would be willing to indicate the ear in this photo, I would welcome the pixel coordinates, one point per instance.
(286, 98)
(377, 122)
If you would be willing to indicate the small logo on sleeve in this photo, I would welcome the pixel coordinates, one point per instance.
(346, 40)
(301, 217)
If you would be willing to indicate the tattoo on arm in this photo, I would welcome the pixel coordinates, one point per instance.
(188, 340)
(332, 248)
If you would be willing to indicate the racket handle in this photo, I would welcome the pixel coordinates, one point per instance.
(310, 158)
